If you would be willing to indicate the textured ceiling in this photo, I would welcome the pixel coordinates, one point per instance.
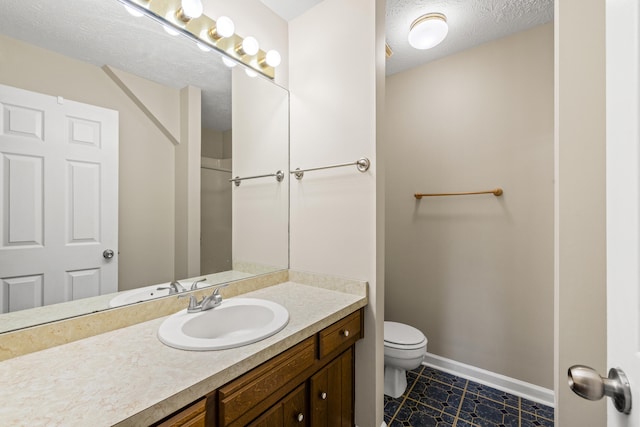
(289, 9)
(471, 22)
(102, 32)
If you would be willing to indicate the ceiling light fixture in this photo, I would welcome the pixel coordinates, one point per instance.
(224, 27)
(189, 9)
(428, 31)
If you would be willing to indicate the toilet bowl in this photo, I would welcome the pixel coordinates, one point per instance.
(404, 350)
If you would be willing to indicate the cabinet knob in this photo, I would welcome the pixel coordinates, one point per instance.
(323, 396)
(300, 417)
(345, 332)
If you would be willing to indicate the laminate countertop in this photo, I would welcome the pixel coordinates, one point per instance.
(127, 377)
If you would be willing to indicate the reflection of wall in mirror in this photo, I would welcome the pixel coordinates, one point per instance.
(260, 146)
(216, 224)
(146, 201)
(215, 221)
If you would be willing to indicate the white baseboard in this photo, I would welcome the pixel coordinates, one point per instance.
(491, 379)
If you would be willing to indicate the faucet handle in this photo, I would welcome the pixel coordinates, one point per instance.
(194, 285)
(194, 305)
(177, 285)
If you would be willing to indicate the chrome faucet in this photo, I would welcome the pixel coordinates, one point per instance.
(174, 288)
(207, 303)
(194, 285)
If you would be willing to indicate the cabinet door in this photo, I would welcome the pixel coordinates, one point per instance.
(291, 411)
(331, 393)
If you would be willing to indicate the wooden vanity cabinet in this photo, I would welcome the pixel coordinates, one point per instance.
(291, 411)
(331, 393)
(309, 385)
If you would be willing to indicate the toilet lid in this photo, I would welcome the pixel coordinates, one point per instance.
(401, 334)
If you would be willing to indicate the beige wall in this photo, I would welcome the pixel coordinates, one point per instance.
(146, 171)
(335, 95)
(580, 208)
(475, 273)
(260, 146)
(215, 220)
(212, 143)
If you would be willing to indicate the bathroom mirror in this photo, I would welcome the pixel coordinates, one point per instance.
(182, 134)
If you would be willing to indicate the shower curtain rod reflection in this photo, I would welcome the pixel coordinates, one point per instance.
(279, 177)
(215, 169)
(496, 192)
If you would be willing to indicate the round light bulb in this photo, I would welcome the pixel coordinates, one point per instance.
(192, 9)
(228, 62)
(273, 58)
(250, 46)
(225, 27)
(133, 12)
(170, 30)
(250, 73)
(203, 47)
(428, 31)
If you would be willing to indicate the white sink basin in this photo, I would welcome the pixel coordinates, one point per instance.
(234, 323)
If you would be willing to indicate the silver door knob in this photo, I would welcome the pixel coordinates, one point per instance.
(300, 417)
(108, 254)
(587, 383)
(323, 396)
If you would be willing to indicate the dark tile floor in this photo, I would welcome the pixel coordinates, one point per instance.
(435, 398)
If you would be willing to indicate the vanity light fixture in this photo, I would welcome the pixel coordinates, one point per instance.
(223, 27)
(189, 9)
(229, 62)
(249, 46)
(133, 9)
(178, 17)
(169, 30)
(133, 12)
(203, 47)
(271, 59)
(428, 31)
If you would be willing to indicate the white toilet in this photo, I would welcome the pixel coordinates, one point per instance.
(404, 349)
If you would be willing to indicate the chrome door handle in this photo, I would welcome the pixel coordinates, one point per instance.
(587, 383)
(108, 254)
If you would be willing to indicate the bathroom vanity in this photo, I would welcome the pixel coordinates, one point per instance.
(303, 375)
(310, 384)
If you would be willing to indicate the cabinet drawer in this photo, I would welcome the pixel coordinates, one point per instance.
(192, 416)
(246, 397)
(341, 334)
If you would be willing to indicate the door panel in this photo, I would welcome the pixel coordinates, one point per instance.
(623, 201)
(59, 199)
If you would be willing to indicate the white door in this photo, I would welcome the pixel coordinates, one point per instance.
(59, 195)
(623, 201)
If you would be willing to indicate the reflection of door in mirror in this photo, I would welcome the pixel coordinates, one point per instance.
(59, 187)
